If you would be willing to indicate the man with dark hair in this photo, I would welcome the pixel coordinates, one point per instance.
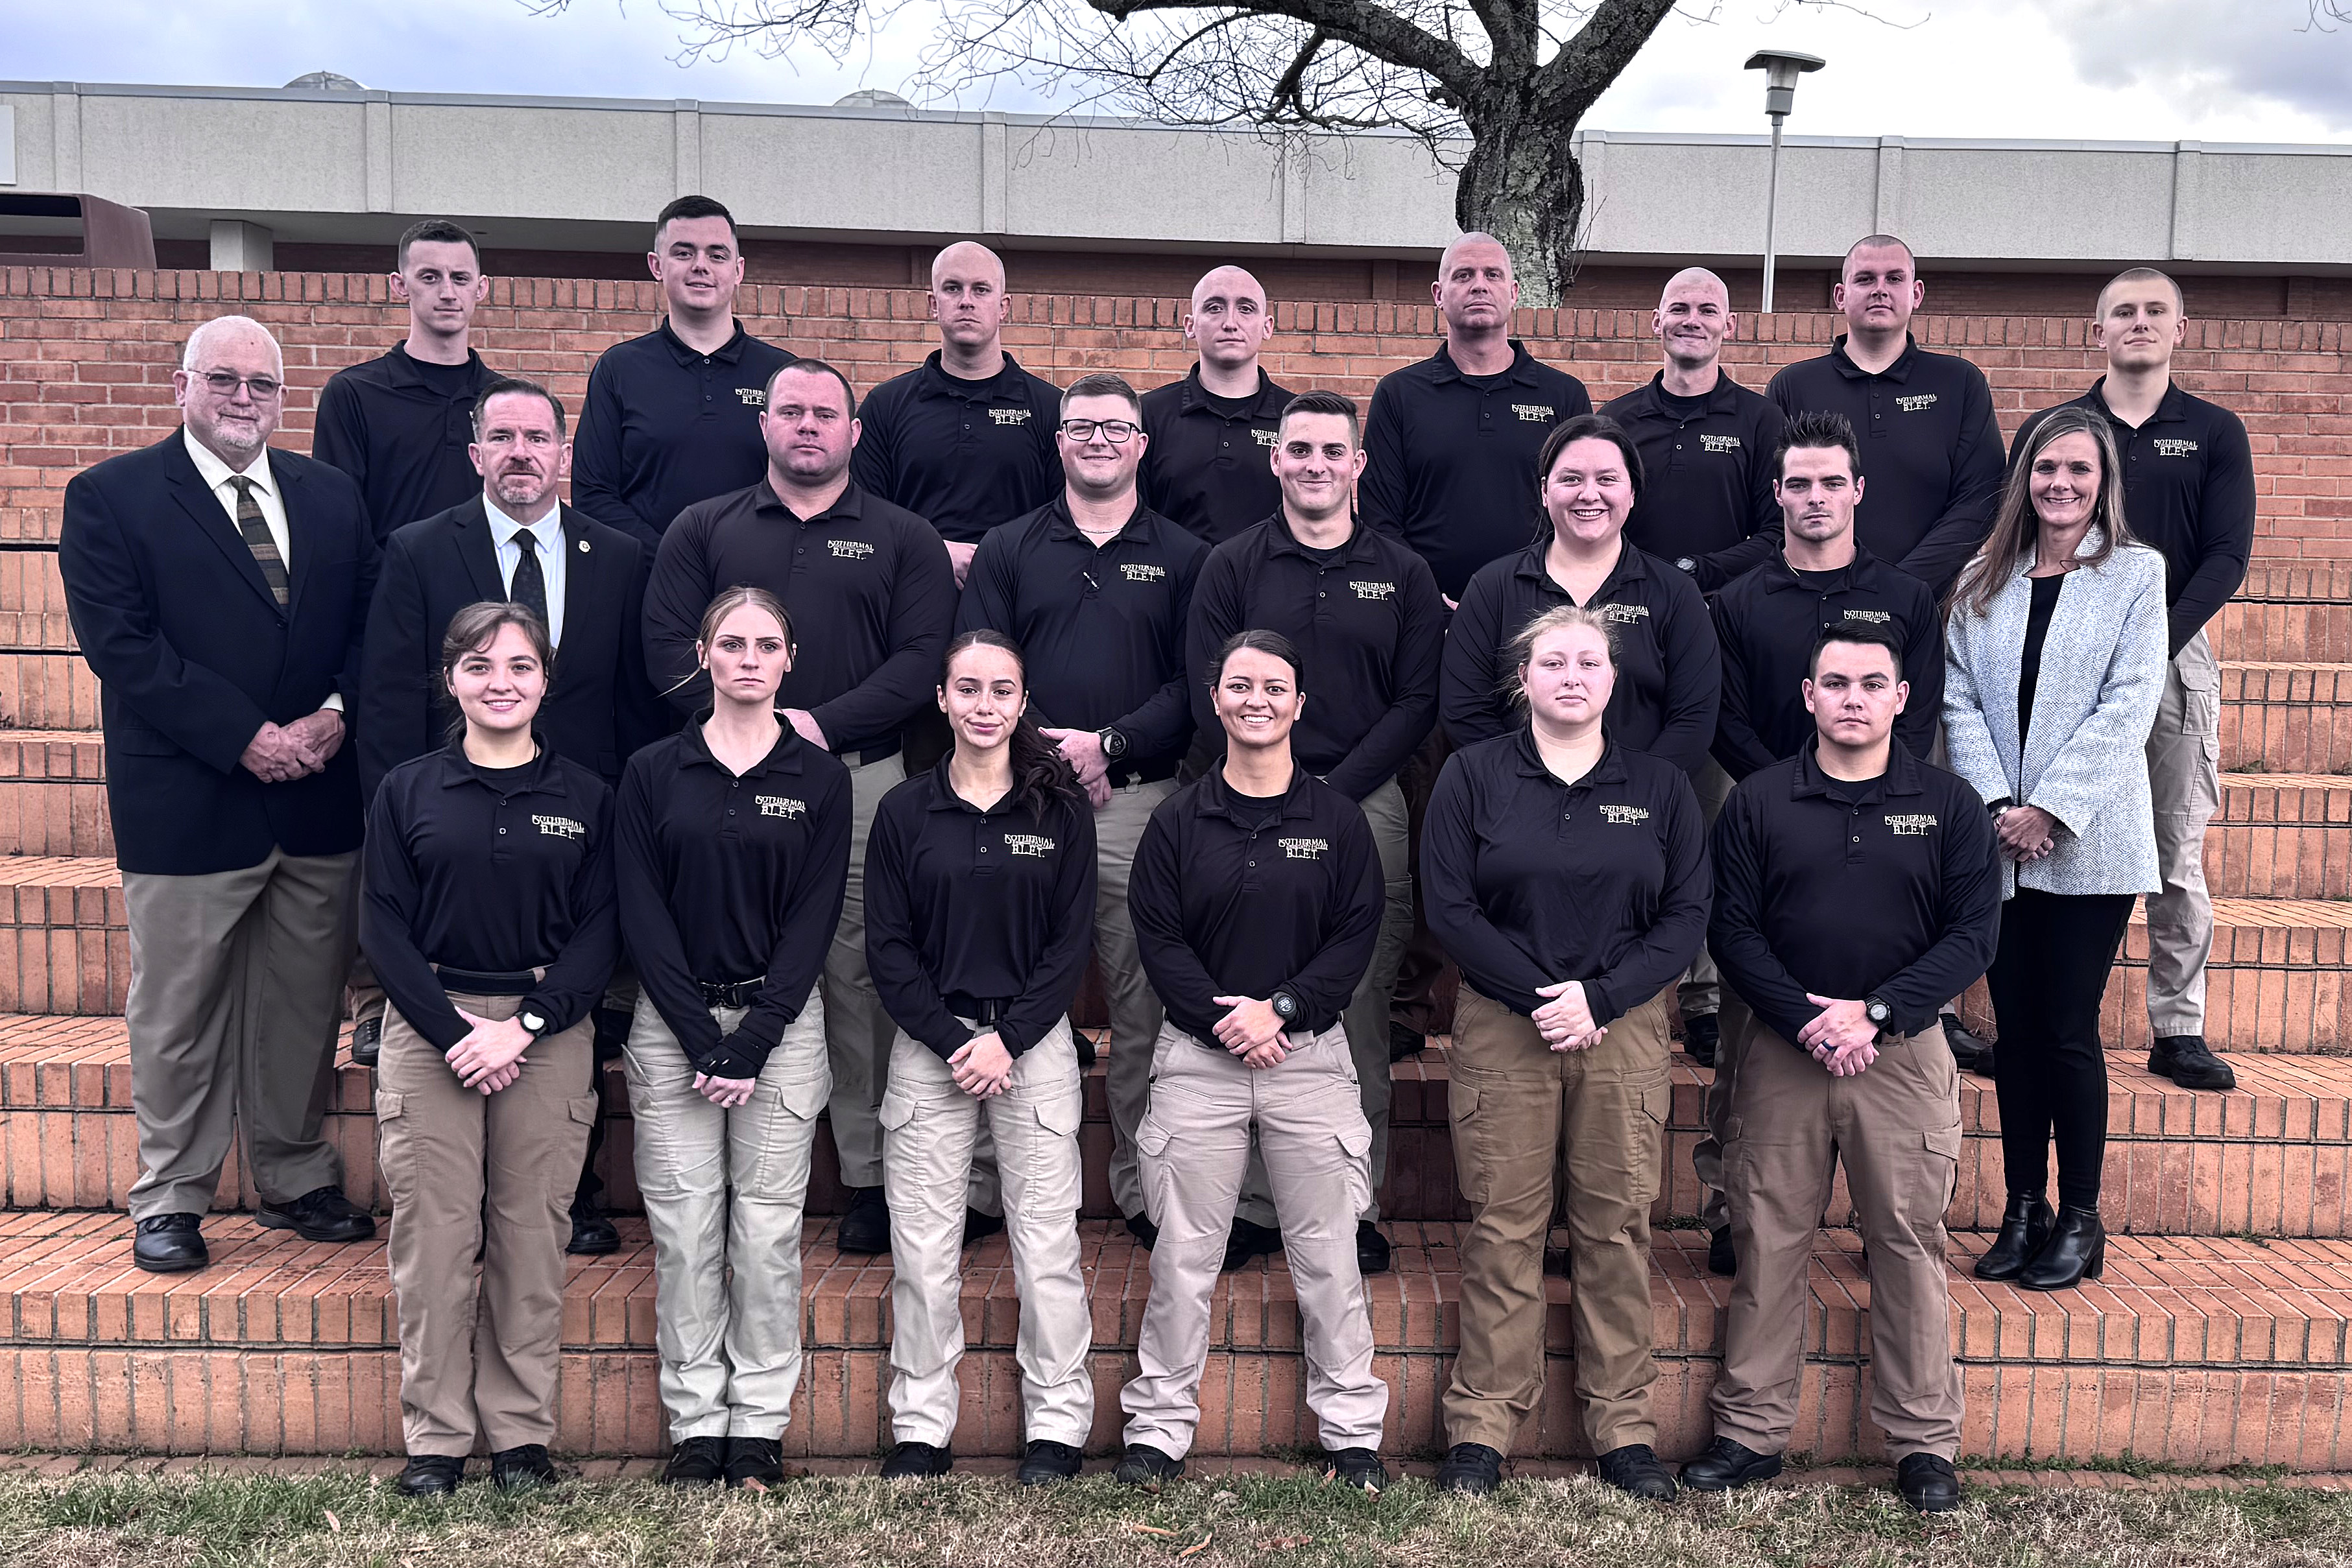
(400, 423)
(673, 417)
(1856, 886)
(1211, 433)
(1366, 617)
(965, 439)
(1925, 420)
(2188, 491)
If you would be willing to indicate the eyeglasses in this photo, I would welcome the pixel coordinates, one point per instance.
(1117, 432)
(223, 385)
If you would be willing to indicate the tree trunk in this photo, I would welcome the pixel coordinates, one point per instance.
(1521, 183)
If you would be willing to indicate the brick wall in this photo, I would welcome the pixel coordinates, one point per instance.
(85, 360)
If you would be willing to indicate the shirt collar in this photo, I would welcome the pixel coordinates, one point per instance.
(1281, 540)
(850, 504)
(1724, 398)
(403, 369)
(1060, 525)
(1217, 797)
(1266, 403)
(1780, 575)
(1522, 370)
(784, 756)
(1629, 568)
(2172, 409)
(541, 777)
(1901, 777)
(548, 530)
(1900, 371)
(215, 472)
(934, 380)
(1610, 769)
(945, 799)
(727, 353)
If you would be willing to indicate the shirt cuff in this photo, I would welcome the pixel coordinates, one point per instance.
(334, 703)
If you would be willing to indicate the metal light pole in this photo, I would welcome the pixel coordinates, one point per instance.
(1781, 67)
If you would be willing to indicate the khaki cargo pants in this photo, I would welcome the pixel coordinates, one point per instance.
(2184, 752)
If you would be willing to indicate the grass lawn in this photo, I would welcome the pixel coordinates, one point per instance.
(347, 1521)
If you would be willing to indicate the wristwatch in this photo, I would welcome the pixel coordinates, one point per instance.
(1114, 744)
(1686, 563)
(533, 1022)
(1285, 1006)
(1875, 1010)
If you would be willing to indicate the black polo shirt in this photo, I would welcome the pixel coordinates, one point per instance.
(1453, 458)
(725, 878)
(1529, 882)
(665, 426)
(2189, 491)
(1235, 895)
(965, 454)
(1667, 674)
(1211, 471)
(1767, 623)
(1931, 454)
(965, 907)
(1101, 630)
(1706, 476)
(1886, 888)
(1367, 623)
(401, 428)
(870, 589)
(493, 873)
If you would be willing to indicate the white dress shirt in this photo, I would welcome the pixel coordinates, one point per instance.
(217, 475)
(507, 535)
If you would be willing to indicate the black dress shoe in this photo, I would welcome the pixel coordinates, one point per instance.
(594, 1234)
(1701, 1037)
(1357, 1468)
(755, 1464)
(2025, 1224)
(1084, 1044)
(1404, 1040)
(978, 1226)
(1146, 1234)
(1473, 1469)
(1044, 1462)
(1928, 1483)
(2185, 1059)
(865, 1225)
(367, 1041)
(1722, 1257)
(521, 1468)
(2077, 1251)
(169, 1243)
(1249, 1240)
(1371, 1248)
(1145, 1465)
(1636, 1469)
(1967, 1048)
(1727, 1465)
(695, 1462)
(431, 1474)
(322, 1214)
(912, 1462)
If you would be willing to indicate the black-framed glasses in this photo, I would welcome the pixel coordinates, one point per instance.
(223, 385)
(1117, 432)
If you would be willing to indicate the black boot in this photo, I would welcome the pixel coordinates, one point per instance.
(2025, 1224)
(1701, 1036)
(2077, 1251)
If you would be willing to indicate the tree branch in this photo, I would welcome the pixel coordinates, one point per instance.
(1377, 32)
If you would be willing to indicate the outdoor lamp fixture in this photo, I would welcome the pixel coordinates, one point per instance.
(1781, 67)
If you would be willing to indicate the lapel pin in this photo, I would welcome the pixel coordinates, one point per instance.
(583, 546)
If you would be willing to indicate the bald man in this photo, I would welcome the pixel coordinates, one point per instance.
(966, 440)
(1208, 468)
(1452, 440)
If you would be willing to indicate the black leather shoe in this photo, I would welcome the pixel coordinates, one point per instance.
(1371, 1248)
(1146, 1234)
(1043, 1462)
(169, 1243)
(1928, 1483)
(2184, 1058)
(912, 1462)
(865, 1225)
(2025, 1224)
(1249, 1240)
(431, 1474)
(1722, 1257)
(1985, 1066)
(1727, 1465)
(1145, 1465)
(1404, 1040)
(322, 1214)
(1357, 1468)
(1701, 1036)
(1971, 1052)
(697, 1462)
(367, 1041)
(755, 1464)
(1083, 1043)
(978, 1226)
(2077, 1251)
(1473, 1469)
(1636, 1469)
(522, 1466)
(594, 1234)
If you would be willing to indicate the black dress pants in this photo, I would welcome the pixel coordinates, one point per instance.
(2048, 974)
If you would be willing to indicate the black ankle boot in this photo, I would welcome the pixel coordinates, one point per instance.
(2025, 1224)
(2077, 1251)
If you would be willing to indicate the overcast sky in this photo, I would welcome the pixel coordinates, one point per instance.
(2216, 70)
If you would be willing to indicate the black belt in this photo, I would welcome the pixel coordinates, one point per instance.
(482, 983)
(1154, 774)
(730, 993)
(874, 753)
(987, 1013)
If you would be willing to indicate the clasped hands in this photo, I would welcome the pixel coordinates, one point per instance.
(1251, 1031)
(281, 753)
(2027, 833)
(1082, 749)
(1566, 1021)
(490, 1057)
(1841, 1038)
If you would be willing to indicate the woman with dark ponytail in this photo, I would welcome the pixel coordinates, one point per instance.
(980, 900)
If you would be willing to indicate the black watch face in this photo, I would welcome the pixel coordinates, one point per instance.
(1114, 743)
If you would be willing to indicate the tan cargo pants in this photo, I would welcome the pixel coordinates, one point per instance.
(2184, 779)
(1135, 1010)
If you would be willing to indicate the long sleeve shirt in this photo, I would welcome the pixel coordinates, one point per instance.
(967, 455)
(1706, 476)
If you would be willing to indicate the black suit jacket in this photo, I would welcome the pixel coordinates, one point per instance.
(600, 707)
(196, 656)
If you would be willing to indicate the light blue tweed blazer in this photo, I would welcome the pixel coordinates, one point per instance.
(2102, 673)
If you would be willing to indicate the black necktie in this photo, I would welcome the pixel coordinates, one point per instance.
(529, 588)
(257, 538)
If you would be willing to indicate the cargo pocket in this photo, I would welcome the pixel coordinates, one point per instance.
(1061, 1114)
(393, 1157)
(1356, 1145)
(1939, 1171)
(1469, 1165)
(1152, 1163)
(1649, 1157)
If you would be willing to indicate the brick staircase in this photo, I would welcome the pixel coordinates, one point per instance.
(2219, 1335)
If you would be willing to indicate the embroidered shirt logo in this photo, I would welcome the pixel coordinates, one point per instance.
(1302, 849)
(1624, 614)
(1009, 415)
(1875, 617)
(1137, 572)
(1374, 589)
(781, 806)
(2166, 447)
(753, 397)
(557, 827)
(1534, 412)
(849, 549)
(1624, 816)
(1266, 438)
(1035, 846)
(1719, 442)
(1918, 827)
(1917, 401)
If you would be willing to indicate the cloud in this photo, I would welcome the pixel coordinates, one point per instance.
(2204, 55)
